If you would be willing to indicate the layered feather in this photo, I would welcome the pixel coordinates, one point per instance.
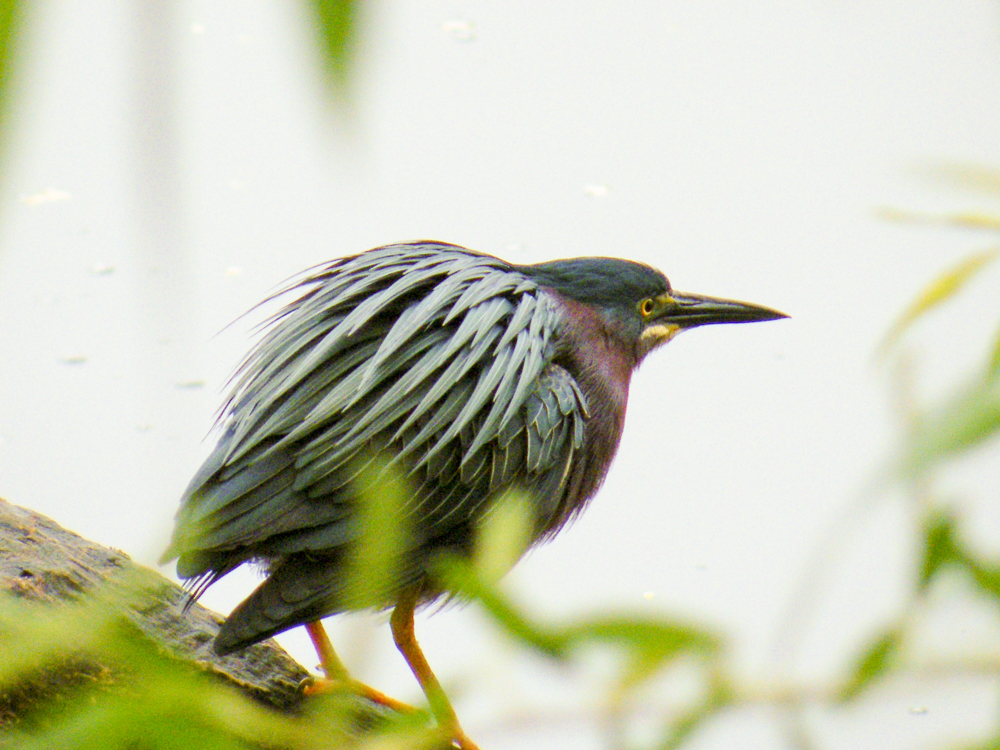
(436, 357)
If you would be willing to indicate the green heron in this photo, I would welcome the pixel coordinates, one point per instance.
(475, 375)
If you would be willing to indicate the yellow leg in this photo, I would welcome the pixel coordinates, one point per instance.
(406, 642)
(337, 676)
(333, 667)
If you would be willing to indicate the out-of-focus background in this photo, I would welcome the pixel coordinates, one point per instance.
(169, 164)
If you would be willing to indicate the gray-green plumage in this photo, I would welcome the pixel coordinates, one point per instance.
(469, 374)
(441, 358)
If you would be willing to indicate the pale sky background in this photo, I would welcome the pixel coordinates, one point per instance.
(743, 148)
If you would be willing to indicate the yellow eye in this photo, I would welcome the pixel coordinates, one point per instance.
(646, 307)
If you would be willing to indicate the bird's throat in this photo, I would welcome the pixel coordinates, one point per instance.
(657, 335)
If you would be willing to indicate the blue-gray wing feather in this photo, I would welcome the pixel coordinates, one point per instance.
(439, 357)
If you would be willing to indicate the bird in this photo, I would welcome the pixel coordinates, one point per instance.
(472, 375)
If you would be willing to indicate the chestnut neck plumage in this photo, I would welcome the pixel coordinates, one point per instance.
(602, 361)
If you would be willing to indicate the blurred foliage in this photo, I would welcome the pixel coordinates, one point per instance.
(872, 664)
(80, 675)
(934, 436)
(336, 26)
(938, 292)
(11, 13)
(645, 644)
(375, 565)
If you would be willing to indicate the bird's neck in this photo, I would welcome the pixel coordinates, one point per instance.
(602, 365)
(601, 361)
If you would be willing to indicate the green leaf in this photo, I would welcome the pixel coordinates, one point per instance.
(11, 13)
(649, 643)
(940, 548)
(965, 220)
(874, 662)
(461, 578)
(985, 575)
(964, 422)
(503, 536)
(720, 697)
(337, 25)
(993, 367)
(937, 292)
(377, 560)
(140, 696)
(967, 176)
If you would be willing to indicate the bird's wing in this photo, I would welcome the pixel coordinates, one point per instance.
(435, 356)
(535, 449)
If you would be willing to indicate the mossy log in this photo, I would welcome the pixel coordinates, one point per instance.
(42, 562)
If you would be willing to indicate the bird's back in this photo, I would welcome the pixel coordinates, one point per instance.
(431, 357)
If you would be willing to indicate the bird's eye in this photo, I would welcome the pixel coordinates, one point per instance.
(646, 307)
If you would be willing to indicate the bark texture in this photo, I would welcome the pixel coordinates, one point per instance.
(43, 562)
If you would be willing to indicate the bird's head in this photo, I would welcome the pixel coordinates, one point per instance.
(640, 308)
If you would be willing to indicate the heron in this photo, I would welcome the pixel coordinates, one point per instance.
(474, 376)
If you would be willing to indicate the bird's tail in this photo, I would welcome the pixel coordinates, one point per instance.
(298, 591)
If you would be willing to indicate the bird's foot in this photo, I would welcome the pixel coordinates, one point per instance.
(325, 686)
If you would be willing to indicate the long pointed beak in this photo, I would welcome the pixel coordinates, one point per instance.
(690, 310)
